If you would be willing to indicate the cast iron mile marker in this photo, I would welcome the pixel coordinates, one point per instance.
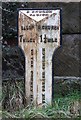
(38, 36)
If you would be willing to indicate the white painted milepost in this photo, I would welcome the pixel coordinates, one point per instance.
(39, 36)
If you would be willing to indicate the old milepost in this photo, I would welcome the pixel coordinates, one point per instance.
(38, 36)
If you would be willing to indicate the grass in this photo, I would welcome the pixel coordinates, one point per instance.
(61, 108)
(0, 102)
(64, 106)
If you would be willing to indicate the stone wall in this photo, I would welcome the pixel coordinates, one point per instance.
(67, 57)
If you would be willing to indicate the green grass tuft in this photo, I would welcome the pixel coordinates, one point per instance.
(62, 108)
